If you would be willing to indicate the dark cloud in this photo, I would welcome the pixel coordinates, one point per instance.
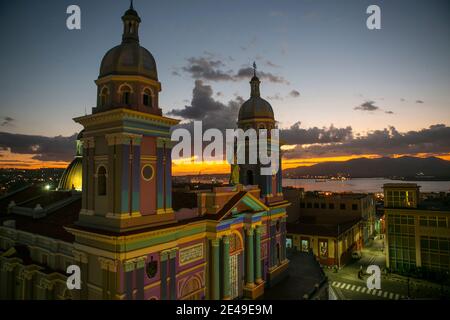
(297, 135)
(57, 148)
(271, 64)
(419, 101)
(6, 121)
(213, 69)
(367, 106)
(402, 99)
(386, 142)
(389, 112)
(246, 73)
(294, 94)
(207, 69)
(204, 107)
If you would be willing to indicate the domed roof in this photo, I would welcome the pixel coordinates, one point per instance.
(72, 176)
(129, 59)
(255, 107)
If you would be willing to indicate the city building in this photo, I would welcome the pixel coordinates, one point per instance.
(417, 230)
(332, 244)
(121, 229)
(330, 207)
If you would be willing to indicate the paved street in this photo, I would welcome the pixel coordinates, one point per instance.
(347, 286)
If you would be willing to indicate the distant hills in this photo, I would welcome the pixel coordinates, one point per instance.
(403, 167)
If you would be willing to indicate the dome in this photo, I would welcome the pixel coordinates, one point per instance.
(129, 59)
(255, 107)
(72, 176)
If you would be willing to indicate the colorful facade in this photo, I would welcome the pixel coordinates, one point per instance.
(127, 239)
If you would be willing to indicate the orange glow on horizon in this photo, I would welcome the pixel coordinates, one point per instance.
(187, 166)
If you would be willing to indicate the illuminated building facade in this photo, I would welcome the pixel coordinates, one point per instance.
(122, 230)
(417, 230)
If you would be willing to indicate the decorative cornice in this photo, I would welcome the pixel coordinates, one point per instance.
(124, 114)
(123, 138)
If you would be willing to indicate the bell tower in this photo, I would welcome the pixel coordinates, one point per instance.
(128, 76)
(127, 165)
(256, 113)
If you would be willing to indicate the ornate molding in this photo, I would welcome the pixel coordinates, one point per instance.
(123, 138)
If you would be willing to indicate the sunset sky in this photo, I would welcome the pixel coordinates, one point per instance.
(338, 90)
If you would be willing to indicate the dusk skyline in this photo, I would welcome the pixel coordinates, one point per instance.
(338, 89)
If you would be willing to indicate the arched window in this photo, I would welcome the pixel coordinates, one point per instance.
(125, 93)
(190, 289)
(101, 181)
(147, 98)
(104, 97)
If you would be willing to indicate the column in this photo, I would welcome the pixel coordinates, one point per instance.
(249, 254)
(129, 270)
(163, 272)
(215, 270)
(140, 273)
(173, 274)
(258, 275)
(47, 288)
(104, 267)
(273, 240)
(168, 177)
(226, 267)
(135, 176)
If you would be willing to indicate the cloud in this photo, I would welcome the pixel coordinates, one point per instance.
(57, 148)
(389, 112)
(6, 121)
(277, 96)
(294, 94)
(419, 101)
(207, 69)
(386, 142)
(271, 64)
(246, 73)
(204, 107)
(402, 99)
(297, 135)
(367, 106)
(213, 69)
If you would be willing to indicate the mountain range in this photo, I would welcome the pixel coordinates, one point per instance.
(406, 167)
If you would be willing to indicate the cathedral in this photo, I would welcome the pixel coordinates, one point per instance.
(113, 213)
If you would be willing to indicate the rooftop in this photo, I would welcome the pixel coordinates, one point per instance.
(400, 185)
(322, 229)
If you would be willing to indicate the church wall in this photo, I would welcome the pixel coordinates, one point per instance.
(148, 157)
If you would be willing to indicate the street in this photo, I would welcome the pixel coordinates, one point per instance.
(347, 286)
